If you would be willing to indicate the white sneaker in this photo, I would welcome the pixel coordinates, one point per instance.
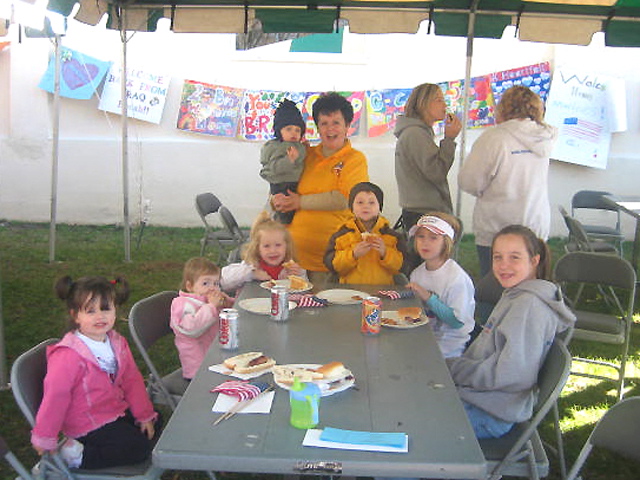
(71, 452)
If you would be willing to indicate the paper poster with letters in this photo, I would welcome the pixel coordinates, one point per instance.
(209, 109)
(146, 93)
(258, 108)
(383, 107)
(536, 77)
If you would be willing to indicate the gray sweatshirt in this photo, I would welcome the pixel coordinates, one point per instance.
(498, 372)
(276, 166)
(422, 167)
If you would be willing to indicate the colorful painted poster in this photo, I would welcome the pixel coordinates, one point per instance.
(146, 94)
(80, 75)
(383, 107)
(209, 109)
(579, 107)
(481, 103)
(258, 107)
(537, 77)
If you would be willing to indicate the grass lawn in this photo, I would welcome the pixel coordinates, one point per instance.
(32, 313)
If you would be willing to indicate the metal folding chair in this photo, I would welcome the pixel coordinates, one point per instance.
(579, 240)
(12, 460)
(207, 204)
(608, 273)
(592, 200)
(520, 452)
(149, 321)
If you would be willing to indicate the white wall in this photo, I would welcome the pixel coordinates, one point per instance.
(169, 167)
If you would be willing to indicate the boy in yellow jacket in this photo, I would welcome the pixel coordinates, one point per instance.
(366, 249)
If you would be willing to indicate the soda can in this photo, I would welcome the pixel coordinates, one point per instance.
(279, 303)
(228, 336)
(371, 309)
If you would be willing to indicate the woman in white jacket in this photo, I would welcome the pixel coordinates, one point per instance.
(507, 170)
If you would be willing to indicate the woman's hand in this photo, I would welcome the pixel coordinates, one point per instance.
(423, 293)
(452, 126)
(286, 203)
(148, 429)
(259, 274)
(293, 269)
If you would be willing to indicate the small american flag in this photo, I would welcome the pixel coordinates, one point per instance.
(394, 295)
(306, 300)
(240, 389)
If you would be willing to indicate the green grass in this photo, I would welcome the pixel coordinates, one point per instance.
(32, 313)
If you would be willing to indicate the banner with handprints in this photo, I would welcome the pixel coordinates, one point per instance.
(80, 74)
(210, 109)
(146, 93)
(481, 102)
(383, 107)
(537, 77)
(258, 107)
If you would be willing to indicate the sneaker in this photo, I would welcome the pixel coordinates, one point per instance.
(71, 452)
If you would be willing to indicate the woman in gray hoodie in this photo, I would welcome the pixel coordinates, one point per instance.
(496, 376)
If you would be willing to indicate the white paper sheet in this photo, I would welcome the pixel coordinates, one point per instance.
(262, 404)
(312, 439)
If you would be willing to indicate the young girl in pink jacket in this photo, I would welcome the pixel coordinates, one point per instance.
(93, 391)
(194, 313)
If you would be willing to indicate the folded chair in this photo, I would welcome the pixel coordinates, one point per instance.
(207, 204)
(579, 240)
(11, 459)
(613, 276)
(592, 200)
(520, 452)
(617, 431)
(27, 377)
(149, 321)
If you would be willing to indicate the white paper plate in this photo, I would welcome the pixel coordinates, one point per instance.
(261, 306)
(285, 282)
(326, 388)
(342, 296)
(401, 323)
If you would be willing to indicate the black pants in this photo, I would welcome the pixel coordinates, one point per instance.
(284, 187)
(117, 443)
(409, 219)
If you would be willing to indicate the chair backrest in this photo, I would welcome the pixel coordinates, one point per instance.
(590, 199)
(207, 203)
(149, 320)
(595, 268)
(230, 223)
(27, 377)
(577, 234)
(552, 376)
(619, 429)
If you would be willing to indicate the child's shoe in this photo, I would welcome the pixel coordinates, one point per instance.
(71, 452)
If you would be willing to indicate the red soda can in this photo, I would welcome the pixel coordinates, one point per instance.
(279, 303)
(228, 336)
(371, 309)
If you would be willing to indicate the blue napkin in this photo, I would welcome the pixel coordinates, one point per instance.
(382, 439)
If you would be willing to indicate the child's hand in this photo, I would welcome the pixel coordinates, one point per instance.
(217, 298)
(292, 153)
(293, 268)
(259, 274)
(377, 243)
(148, 429)
(423, 293)
(41, 451)
(361, 249)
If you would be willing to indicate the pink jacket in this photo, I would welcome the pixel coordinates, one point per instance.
(195, 324)
(79, 397)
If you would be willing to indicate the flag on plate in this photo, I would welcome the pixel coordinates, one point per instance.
(394, 295)
(241, 389)
(306, 300)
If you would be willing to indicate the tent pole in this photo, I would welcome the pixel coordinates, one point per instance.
(465, 95)
(55, 150)
(125, 140)
(4, 380)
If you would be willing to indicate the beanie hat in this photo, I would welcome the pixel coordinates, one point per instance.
(366, 187)
(287, 113)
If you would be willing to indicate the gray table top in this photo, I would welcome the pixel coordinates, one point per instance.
(403, 385)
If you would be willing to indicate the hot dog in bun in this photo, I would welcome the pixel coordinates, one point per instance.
(333, 371)
(249, 362)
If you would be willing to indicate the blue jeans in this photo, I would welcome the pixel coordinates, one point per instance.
(484, 424)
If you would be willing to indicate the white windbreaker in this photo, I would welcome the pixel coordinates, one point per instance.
(507, 170)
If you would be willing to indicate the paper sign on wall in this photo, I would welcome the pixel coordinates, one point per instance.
(209, 109)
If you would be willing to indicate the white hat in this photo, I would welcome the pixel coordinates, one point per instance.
(433, 224)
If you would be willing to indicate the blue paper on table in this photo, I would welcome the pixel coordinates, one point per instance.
(384, 439)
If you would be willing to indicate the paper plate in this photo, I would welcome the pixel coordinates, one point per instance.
(343, 296)
(326, 388)
(285, 282)
(261, 306)
(393, 316)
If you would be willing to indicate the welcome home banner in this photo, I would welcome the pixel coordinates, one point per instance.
(80, 75)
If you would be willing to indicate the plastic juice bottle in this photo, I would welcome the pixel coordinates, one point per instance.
(304, 399)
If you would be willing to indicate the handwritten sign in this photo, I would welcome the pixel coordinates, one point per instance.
(209, 109)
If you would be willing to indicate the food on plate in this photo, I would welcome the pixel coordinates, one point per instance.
(333, 371)
(286, 374)
(249, 362)
(388, 321)
(297, 283)
(357, 297)
(410, 314)
(288, 264)
(369, 237)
